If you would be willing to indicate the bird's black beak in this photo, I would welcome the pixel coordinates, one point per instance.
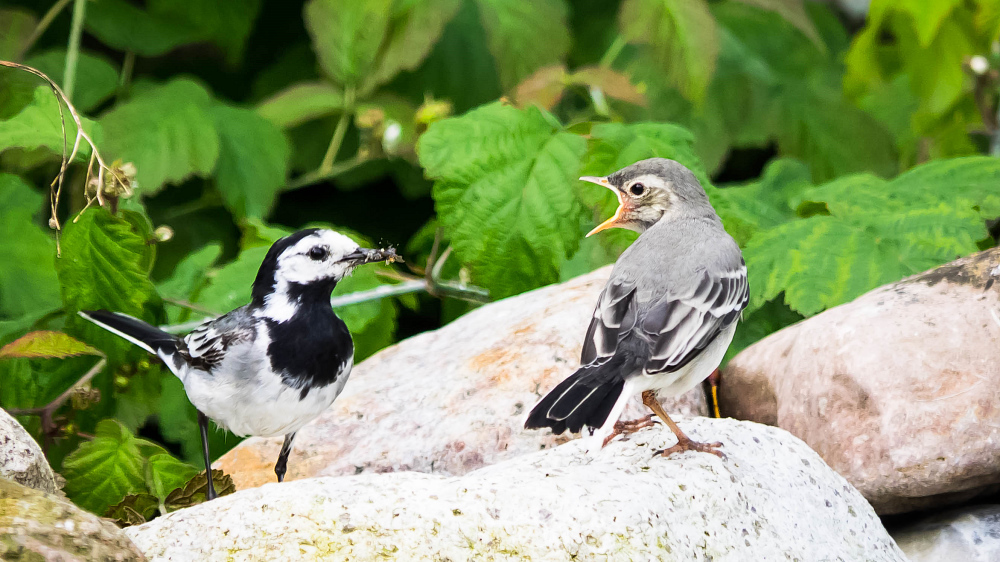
(366, 255)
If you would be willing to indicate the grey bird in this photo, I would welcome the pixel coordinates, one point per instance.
(666, 316)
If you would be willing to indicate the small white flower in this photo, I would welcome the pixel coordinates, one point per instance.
(979, 64)
(390, 139)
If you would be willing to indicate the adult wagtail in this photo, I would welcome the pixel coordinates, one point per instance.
(270, 367)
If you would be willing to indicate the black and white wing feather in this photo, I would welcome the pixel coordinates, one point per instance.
(681, 327)
(613, 318)
(206, 346)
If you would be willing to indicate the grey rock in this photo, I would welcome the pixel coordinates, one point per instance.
(35, 525)
(772, 498)
(961, 535)
(899, 390)
(451, 400)
(21, 459)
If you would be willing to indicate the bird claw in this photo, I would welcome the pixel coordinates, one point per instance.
(689, 445)
(626, 427)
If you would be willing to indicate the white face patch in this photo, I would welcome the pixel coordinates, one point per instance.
(298, 264)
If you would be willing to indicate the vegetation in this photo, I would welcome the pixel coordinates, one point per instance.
(841, 155)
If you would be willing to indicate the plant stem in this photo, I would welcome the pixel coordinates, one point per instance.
(338, 134)
(317, 176)
(73, 49)
(613, 51)
(128, 65)
(44, 24)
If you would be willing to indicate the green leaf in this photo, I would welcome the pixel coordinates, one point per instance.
(794, 11)
(347, 36)
(927, 17)
(167, 131)
(765, 203)
(39, 125)
(96, 78)
(126, 27)
(301, 102)
(253, 161)
(46, 344)
(524, 36)
(165, 474)
(682, 35)
(414, 28)
(28, 283)
(18, 25)
(227, 24)
(190, 273)
(504, 194)
(134, 509)
(105, 265)
(100, 472)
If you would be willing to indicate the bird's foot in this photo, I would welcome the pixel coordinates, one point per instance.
(689, 445)
(626, 427)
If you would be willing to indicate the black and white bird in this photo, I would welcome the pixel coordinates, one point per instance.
(270, 367)
(667, 314)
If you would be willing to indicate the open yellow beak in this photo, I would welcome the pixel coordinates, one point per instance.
(613, 221)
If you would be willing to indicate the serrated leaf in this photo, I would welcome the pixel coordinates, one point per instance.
(100, 472)
(504, 194)
(764, 203)
(414, 27)
(682, 35)
(167, 131)
(612, 83)
(18, 26)
(524, 36)
(28, 283)
(104, 265)
(165, 474)
(46, 344)
(134, 509)
(190, 273)
(39, 125)
(347, 36)
(195, 491)
(96, 78)
(253, 161)
(301, 102)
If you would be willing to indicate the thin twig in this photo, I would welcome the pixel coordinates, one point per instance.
(191, 306)
(73, 48)
(43, 24)
(338, 133)
(317, 176)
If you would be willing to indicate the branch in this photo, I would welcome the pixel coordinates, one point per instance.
(73, 48)
(49, 427)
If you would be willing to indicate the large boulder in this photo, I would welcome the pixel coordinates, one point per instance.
(962, 535)
(36, 525)
(21, 459)
(899, 390)
(451, 400)
(772, 498)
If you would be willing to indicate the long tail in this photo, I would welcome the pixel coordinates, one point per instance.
(586, 398)
(150, 338)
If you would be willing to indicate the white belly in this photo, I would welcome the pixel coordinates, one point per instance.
(249, 399)
(686, 378)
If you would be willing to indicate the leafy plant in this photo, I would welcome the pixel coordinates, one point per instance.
(149, 155)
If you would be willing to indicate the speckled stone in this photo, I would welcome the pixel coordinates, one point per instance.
(451, 400)
(21, 459)
(968, 534)
(36, 526)
(898, 390)
(772, 498)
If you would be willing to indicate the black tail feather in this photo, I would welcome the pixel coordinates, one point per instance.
(584, 398)
(149, 337)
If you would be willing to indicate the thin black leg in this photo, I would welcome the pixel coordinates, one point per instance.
(203, 424)
(282, 464)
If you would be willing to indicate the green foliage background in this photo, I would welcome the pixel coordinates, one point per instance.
(842, 155)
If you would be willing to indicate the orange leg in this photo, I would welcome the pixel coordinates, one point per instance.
(626, 427)
(684, 443)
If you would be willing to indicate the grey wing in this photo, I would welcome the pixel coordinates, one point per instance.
(681, 327)
(205, 347)
(613, 318)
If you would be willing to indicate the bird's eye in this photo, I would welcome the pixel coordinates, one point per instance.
(318, 253)
(637, 189)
